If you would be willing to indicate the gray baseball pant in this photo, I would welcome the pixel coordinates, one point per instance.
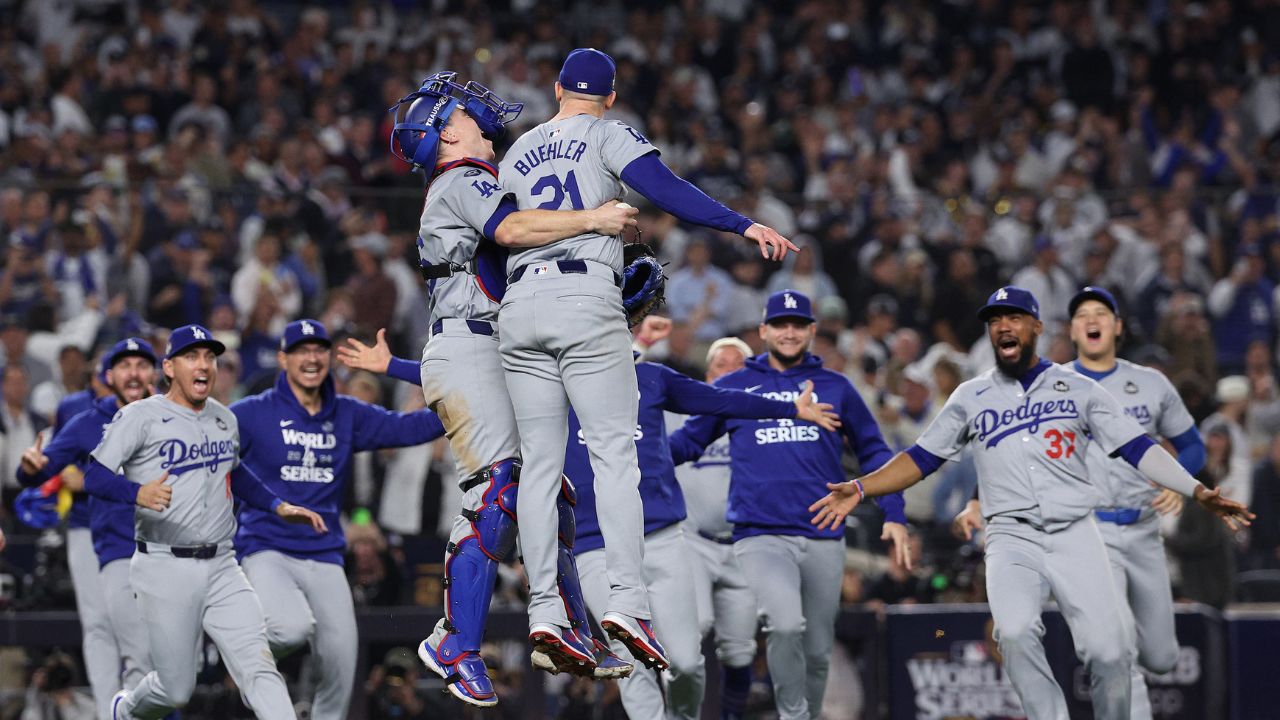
(725, 601)
(1025, 565)
(1141, 575)
(180, 597)
(126, 622)
(564, 339)
(305, 601)
(669, 575)
(796, 581)
(101, 653)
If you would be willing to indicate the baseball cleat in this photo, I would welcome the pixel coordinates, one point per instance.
(638, 636)
(116, 712)
(608, 665)
(466, 677)
(563, 650)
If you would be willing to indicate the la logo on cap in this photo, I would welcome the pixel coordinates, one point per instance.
(788, 301)
(1002, 294)
(198, 333)
(307, 329)
(131, 344)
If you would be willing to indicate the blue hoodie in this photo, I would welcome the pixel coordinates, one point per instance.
(779, 468)
(110, 523)
(661, 388)
(305, 459)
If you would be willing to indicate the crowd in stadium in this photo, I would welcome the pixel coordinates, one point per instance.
(172, 162)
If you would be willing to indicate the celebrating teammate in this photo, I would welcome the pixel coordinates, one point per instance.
(299, 438)
(725, 601)
(1129, 504)
(564, 337)
(179, 456)
(447, 130)
(100, 544)
(668, 571)
(794, 569)
(1031, 424)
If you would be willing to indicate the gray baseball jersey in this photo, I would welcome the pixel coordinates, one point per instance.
(571, 164)
(198, 449)
(705, 484)
(459, 201)
(1031, 444)
(1148, 397)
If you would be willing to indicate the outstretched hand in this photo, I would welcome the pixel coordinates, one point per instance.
(299, 515)
(897, 534)
(772, 245)
(1234, 514)
(652, 329)
(359, 356)
(836, 506)
(818, 413)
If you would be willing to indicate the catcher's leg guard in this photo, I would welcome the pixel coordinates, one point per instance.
(470, 570)
(608, 665)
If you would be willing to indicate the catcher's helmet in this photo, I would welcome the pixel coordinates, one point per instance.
(422, 114)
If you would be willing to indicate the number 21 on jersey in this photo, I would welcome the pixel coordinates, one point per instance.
(558, 189)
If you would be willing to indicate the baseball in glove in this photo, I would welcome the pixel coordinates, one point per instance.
(643, 284)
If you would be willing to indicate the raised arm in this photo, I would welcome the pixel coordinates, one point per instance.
(377, 427)
(651, 177)
(692, 397)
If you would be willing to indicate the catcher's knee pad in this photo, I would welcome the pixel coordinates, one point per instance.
(471, 565)
(567, 566)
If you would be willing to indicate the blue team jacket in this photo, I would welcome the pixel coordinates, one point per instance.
(661, 388)
(305, 459)
(69, 407)
(779, 468)
(110, 523)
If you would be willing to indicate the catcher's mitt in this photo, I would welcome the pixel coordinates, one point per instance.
(643, 284)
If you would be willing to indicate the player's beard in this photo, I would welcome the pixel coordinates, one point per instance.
(787, 360)
(1019, 367)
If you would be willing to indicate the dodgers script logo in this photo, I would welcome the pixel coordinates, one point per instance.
(995, 425)
(210, 453)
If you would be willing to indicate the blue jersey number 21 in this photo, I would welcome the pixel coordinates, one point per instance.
(558, 189)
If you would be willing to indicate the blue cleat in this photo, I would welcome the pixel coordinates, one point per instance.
(465, 674)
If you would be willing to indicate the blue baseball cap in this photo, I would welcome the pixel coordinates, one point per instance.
(788, 304)
(189, 336)
(129, 347)
(1093, 292)
(301, 331)
(588, 71)
(1010, 297)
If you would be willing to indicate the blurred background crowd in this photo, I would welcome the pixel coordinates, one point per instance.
(171, 161)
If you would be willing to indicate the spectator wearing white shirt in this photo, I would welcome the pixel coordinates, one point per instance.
(265, 273)
(18, 424)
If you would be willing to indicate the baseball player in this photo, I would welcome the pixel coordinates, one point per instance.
(299, 437)
(448, 130)
(1031, 424)
(1128, 514)
(725, 600)
(794, 570)
(667, 568)
(100, 544)
(178, 455)
(564, 337)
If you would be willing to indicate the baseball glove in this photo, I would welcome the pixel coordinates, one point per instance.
(643, 284)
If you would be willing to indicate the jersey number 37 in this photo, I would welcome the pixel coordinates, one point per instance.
(1061, 444)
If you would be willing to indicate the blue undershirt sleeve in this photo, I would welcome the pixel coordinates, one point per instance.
(246, 485)
(405, 370)
(1191, 450)
(99, 481)
(1132, 451)
(650, 177)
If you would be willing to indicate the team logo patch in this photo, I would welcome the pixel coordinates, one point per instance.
(131, 344)
(788, 302)
(308, 328)
(1002, 294)
(471, 173)
(1061, 386)
(541, 269)
(221, 425)
(1130, 388)
(327, 426)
